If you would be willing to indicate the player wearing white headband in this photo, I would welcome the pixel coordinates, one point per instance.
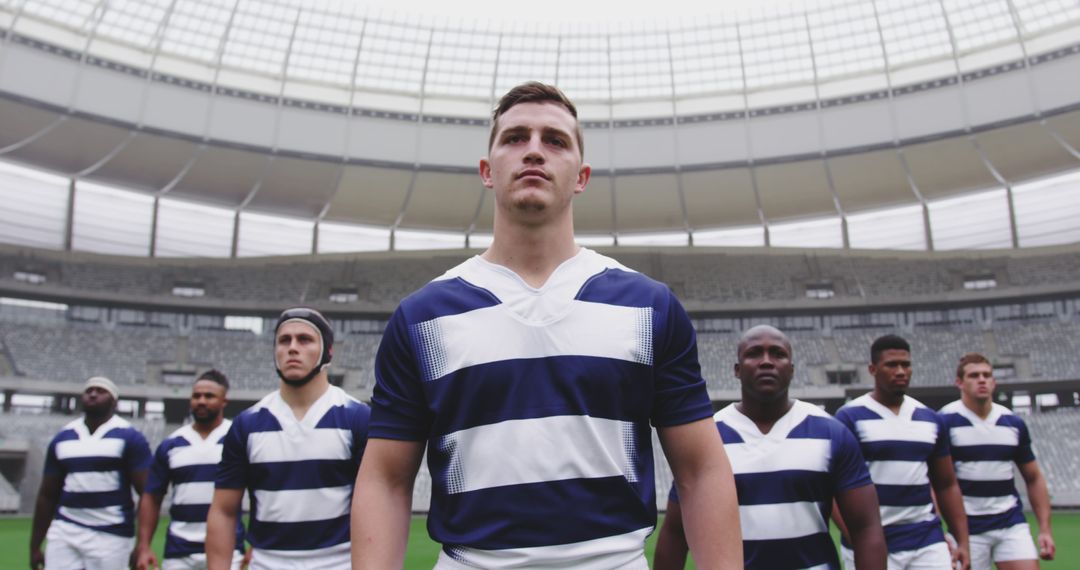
(297, 452)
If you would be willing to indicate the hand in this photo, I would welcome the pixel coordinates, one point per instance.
(961, 557)
(37, 559)
(247, 559)
(142, 558)
(1047, 548)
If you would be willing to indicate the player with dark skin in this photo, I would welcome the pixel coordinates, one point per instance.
(892, 376)
(98, 407)
(765, 369)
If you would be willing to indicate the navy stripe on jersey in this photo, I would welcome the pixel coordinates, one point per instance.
(299, 536)
(802, 552)
(309, 474)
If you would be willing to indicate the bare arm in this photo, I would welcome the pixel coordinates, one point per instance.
(44, 510)
(149, 513)
(706, 487)
(1039, 497)
(947, 491)
(382, 503)
(838, 520)
(221, 528)
(861, 520)
(671, 546)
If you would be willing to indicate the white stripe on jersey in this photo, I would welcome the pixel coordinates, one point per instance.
(894, 429)
(781, 520)
(189, 531)
(90, 447)
(621, 551)
(291, 445)
(785, 455)
(194, 454)
(918, 513)
(975, 506)
(91, 481)
(97, 516)
(964, 436)
(984, 470)
(495, 334)
(537, 450)
(898, 472)
(197, 493)
(303, 505)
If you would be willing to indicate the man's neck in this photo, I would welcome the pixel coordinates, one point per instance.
(205, 429)
(532, 252)
(94, 422)
(300, 398)
(765, 414)
(891, 401)
(982, 408)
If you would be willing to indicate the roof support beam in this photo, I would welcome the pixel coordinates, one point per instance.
(675, 142)
(613, 185)
(845, 239)
(417, 142)
(749, 139)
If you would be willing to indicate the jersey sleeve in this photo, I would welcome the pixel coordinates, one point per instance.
(232, 471)
(848, 466)
(52, 463)
(398, 408)
(1023, 453)
(157, 483)
(941, 446)
(680, 394)
(137, 455)
(843, 415)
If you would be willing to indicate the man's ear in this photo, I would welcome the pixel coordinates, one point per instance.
(485, 173)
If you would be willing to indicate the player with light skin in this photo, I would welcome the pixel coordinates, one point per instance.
(535, 168)
(888, 405)
(987, 440)
(765, 370)
(209, 396)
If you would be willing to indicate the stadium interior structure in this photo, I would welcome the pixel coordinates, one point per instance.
(173, 173)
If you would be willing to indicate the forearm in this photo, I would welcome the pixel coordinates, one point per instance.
(44, 509)
(1039, 497)
(671, 546)
(952, 508)
(710, 514)
(380, 525)
(871, 552)
(149, 513)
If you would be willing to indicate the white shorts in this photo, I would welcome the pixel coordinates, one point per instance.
(197, 562)
(72, 546)
(1002, 545)
(933, 557)
(334, 558)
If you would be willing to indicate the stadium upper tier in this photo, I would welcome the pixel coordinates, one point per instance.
(786, 127)
(707, 280)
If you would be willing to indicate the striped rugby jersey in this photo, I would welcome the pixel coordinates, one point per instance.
(189, 463)
(984, 452)
(97, 468)
(786, 481)
(299, 473)
(536, 405)
(897, 448)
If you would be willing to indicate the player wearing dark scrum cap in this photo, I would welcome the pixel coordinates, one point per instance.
(296, 452)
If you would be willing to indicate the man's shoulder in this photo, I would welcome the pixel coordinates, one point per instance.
(260, 416)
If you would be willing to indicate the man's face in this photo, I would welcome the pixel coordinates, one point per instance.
(764, 366)
(207, 401)
(978, 382)
(534, 164)
(297, 349)
(97, 401)
(892, 372)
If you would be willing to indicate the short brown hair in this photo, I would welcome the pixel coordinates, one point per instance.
(970, 358)
(535, 92)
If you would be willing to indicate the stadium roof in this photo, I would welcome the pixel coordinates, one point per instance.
(218, 127)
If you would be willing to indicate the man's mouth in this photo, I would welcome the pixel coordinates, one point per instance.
(532, 172)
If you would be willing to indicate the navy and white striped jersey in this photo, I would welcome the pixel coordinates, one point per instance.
(97, 468)
(299, 473)
(984, 452)
(897, 448)
(536, 405)
(786, 481)
(189, 463)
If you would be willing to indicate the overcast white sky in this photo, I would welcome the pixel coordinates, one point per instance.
(569, 11)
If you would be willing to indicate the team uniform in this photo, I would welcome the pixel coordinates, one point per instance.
(536, 405)
(189, 462)
(984, 452)
(897, 447)
(786, 481)
(94, 524)
(299, 475)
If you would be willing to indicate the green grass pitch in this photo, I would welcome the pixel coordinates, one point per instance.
(15, 536)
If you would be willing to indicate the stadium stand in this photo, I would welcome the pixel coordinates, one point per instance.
(1053, 435)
